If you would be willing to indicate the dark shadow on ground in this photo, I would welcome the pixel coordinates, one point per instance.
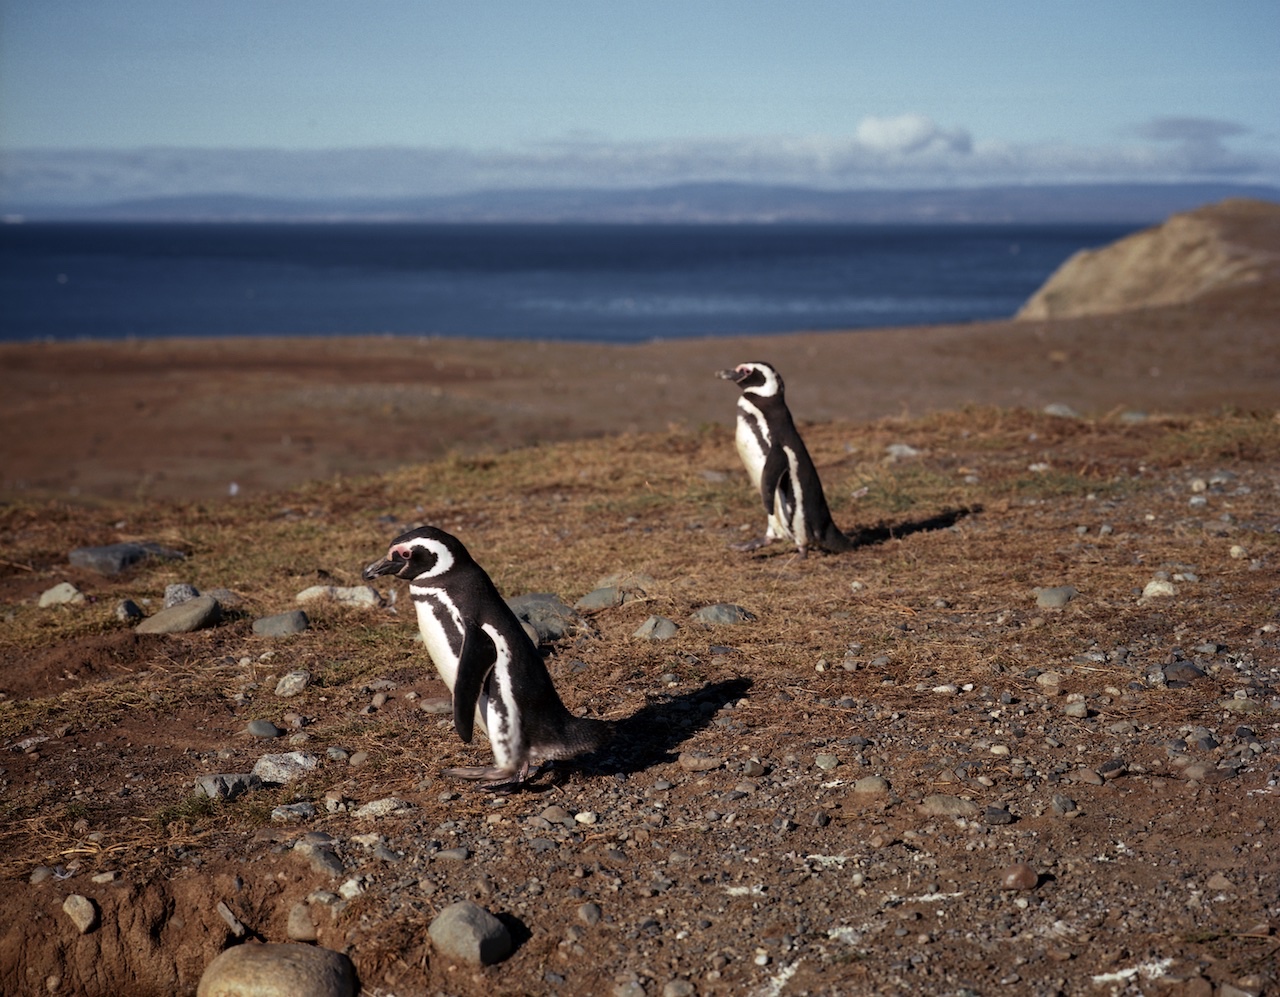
(871, 535)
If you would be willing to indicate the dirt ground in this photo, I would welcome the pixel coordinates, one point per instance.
(916, 658)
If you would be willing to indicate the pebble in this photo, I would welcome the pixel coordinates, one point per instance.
(278, 970)
(469, 933)
(281, 624)
(226, 786)
(186, 617)
(1159, 588)
(380, 808)
(82, 911)
(316, 848)
(360, 596)
(115, 558)
(826, 762)
(996, 816)
(1077, 709)
(292, 683)
(1019, 876)
(723, 613)
(292, 813)
(871, 785)
(1055, 597)
(62, 594)
(589, 913)
(601, 598)
(128, 611)
(549, 616)
(301, 927)
(280, 769)
(264, 729)
(657, 628)
(698, 762)
(944, 805)
(178, 593)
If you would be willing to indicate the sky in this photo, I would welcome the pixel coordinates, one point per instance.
(313, 98)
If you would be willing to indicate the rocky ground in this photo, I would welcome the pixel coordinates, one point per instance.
(1025, 738)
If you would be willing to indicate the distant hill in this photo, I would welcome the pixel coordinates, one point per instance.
(1215, 248)
(695, 203)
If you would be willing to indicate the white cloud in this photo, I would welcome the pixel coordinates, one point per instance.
(883, 152)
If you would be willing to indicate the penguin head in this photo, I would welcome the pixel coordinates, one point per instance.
(756, 378)
(422, 553)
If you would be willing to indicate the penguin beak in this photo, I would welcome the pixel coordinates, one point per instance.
(386, 566)
(735, 375)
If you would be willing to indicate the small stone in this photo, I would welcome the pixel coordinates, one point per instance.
(293, 813)
(281, 624)
(1063, 805)
(300, 927)
(114, 558)
(1019, 876)
(996, 816)
(601, 598)
(292, 683)
(944, 805)
(871, 785)
(62, 594)
(186, 617)
(280, 769)
(723, 613)
(359, 596)
(1055, 597)
(826, 762)
(586, 817)
(128, 611)
(278, 970)
(678, 988)
(698, 762)
(380, 808)
(178, 593)
(589, 914)
(549, 616)
(1159, 588)
(82, 911)
(656, 628)
(263, 729)
(1077, 709)
(226, 786)
(469, 933)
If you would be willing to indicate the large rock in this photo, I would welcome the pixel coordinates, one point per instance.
(114, 558)
(1213, 248)
(186, 617)
(278, 971)
(547, 614)
(469, 933)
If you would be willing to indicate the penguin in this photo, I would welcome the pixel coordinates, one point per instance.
(779, 465)
(492, 668)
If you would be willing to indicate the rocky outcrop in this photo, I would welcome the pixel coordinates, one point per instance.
(1221, 246)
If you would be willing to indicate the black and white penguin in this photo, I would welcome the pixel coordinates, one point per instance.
(482, 652)
(779, 465)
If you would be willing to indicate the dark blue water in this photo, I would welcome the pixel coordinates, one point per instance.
(603, 283)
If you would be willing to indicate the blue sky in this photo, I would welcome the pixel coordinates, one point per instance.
(316, 98)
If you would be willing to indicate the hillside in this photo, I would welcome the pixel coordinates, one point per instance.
(1213, 250)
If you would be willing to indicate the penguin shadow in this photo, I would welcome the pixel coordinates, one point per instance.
(869, 536)
(650, 736)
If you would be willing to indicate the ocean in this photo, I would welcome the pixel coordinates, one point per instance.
(586, 283)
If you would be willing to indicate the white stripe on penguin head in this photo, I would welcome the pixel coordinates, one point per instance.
(442, 557)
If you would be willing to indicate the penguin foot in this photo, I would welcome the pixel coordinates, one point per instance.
(496, 779)
(751, 545)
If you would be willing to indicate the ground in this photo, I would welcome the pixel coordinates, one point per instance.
(1124, 746)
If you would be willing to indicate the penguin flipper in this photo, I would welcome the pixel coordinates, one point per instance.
(775, 466)
(474, 665)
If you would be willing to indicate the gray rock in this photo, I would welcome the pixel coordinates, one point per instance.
(127, 611)
(292, 683)
(871, 785)
(264, 729)
(601, 598)
(1061, 411)
(943, 805)
(194, 614)
(82, 911)
(656, 628)
(589, 913)
(316, 848)
(282, 624)
(698, 762)
(280, 769)
(1159, 588)
(380, 808)
(547, 614)
(356, 595)
(996, 816)
(469, 933)
(723, 613)
(115, 558)
(178, 593)
(226, 786)
(62, 594)
(1055, 597)
(292, 813)
(278, 970)
(826, 762)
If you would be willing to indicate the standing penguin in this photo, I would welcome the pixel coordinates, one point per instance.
(779, 465)
(486, 659)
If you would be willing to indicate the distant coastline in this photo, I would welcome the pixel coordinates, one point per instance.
(693, 203)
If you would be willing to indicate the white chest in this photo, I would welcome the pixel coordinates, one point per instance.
(442, 630)
(752, 439)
